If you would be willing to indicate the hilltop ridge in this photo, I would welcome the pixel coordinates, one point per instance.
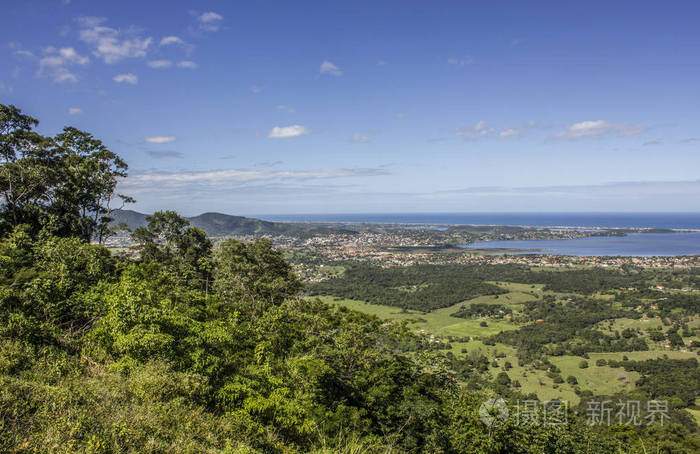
(220, 224)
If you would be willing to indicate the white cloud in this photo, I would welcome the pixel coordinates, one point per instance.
(159, 64)
(598, 128)
(72, 56)
(586, 129)
(160, 139)
(621, 189)
(150, 180)
(127, 78)
(24, 53)
(168, 40)
(90, 21)
(210, 21)
(112, 45)
(187, 64)
(288, 109)
(473, 132)
(463, 61)
(509, 132)
(74, 110)
(17, 49)
(62, 56)
(210, 17)
(360, 138)
(52, 60)
(165, 154)
(55, 63)
(284, 132)
(255, 89)
(63, 75)
(330, 69)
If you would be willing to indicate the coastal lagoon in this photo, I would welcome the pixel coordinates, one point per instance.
(634, 244)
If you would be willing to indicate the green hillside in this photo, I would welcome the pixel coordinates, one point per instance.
(221, 225)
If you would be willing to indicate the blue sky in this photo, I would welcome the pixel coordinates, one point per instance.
(281, 107)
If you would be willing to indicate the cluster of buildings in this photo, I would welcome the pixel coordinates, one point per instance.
(396, 247)
(407, 245)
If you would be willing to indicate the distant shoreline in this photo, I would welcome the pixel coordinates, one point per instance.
(682, 222)
(527, 226)
(653, 245)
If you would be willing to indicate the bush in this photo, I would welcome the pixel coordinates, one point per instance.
(503, 379)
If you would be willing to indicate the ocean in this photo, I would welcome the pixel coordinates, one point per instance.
(689, 221)
(634, 244)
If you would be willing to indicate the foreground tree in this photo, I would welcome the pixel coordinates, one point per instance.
(65, 184)
(168, 239)
(89, 175)
(253, 275)
(27, 170)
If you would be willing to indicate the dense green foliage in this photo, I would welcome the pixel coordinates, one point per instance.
(674, 379)
(63, 185)
(559, 328)
(423, 287)
(426, 287)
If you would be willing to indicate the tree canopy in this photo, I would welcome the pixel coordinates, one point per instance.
(64, 184)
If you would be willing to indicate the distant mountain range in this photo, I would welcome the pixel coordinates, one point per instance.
(218, 224)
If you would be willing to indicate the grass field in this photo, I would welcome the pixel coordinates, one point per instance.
(621, 324)
(441, 323)
(695, 412)
(599, 379)
(438, 322)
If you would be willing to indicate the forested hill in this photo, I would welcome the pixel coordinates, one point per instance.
(218, 224)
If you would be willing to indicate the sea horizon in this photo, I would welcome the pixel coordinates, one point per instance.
(651, 220)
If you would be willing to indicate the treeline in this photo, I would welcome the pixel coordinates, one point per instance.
(675, 380)
(666, 303)
(427, 287)
(420, 287)
(482, 310)
(558, 328)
